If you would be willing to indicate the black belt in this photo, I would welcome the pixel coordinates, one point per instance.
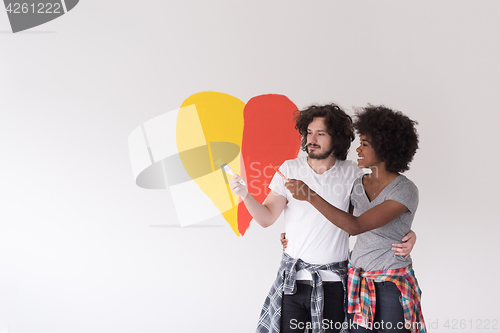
(310, 282)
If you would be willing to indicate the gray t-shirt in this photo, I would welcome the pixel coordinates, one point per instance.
(372, 250)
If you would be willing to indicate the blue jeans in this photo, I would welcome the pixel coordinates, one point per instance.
(296, 308)
(389, 316)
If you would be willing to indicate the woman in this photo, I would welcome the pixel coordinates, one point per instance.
(383, 206)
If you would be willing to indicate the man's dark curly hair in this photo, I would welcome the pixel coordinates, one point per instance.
(392, 135)
(338, 124)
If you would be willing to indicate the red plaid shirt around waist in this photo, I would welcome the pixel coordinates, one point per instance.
(362, 298)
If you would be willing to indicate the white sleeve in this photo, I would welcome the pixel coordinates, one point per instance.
(278, 183)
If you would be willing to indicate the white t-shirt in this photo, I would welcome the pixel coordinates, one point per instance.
(311, 236)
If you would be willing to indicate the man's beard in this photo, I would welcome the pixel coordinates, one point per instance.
(314, 156)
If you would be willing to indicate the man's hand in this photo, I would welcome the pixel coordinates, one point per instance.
(284, 241)
(299, 190)
(238, 188)
(403, 249)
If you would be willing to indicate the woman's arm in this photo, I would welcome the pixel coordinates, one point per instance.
(371, 219)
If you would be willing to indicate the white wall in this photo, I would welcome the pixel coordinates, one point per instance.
(78, 252)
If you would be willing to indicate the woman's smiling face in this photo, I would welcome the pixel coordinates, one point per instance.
(366, 154)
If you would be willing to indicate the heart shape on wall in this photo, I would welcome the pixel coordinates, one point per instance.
(179, 149)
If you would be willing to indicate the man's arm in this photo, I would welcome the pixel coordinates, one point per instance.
(408, 242)
(402, 249)
(266, 213)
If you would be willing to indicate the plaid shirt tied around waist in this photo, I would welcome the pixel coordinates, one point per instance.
(270, 316)
(362, 298)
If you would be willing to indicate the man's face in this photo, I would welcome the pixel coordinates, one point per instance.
(319, 142)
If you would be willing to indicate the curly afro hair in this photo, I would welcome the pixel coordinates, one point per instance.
(338, 123)
(392, 135)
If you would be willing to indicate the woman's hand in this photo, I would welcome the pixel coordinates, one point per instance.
(284, 241)
(299, 190)
(403, 249)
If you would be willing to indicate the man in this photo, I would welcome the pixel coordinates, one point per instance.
(317, 250)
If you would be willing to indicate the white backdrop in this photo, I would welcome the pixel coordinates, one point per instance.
(80, 250)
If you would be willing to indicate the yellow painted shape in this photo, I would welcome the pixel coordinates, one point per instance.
(214, 182)
(220, 119)
(192, 126)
